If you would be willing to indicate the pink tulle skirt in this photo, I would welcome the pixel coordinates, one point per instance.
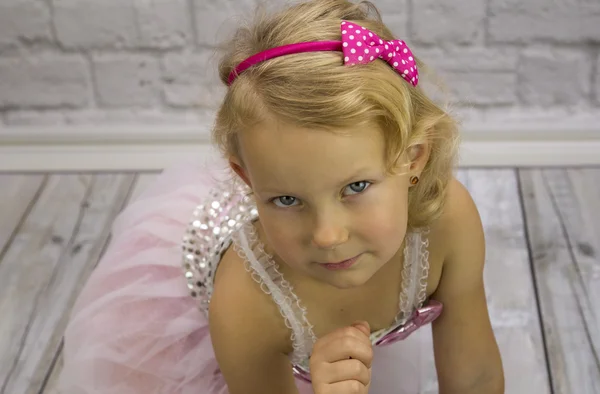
(134, 328)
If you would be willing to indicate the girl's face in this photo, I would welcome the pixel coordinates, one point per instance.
(325, 197)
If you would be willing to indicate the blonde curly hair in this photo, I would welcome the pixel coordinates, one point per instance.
(316, 90)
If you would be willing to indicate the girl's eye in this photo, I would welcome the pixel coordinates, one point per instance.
(285, 201)
(357, 187)
(351, 189)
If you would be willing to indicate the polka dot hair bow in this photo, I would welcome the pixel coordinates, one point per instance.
(362, 46)
(359, 46)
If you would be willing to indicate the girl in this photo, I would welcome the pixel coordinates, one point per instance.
(313, 268)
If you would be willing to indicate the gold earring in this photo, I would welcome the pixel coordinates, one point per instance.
(414, 180)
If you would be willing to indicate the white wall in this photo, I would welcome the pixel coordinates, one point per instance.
(95, 61)
(111, 63)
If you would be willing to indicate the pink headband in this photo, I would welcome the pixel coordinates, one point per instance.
(359, 46)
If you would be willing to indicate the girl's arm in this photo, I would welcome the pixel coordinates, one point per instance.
(466, 353)
(248, 334)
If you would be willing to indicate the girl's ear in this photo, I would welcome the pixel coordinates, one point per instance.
(418, 155)
(237, 166)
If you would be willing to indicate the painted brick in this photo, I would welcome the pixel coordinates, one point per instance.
(398, 25)
(44, 81)
(474, 75)
(23, 20)
(122, 24)
(216, 19)
(93, 24)
(395, 15)
(521, 21)
(435, 21)
(40, 84)
(597, 78)
(127, 80)
(191, 80)
(482, 88)
(470, 58)
(164, 23)
(120, 116)
(394, 7)
(554, 76)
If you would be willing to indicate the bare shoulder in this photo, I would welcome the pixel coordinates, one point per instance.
(460, 223)
(238, 297)
(249, 336)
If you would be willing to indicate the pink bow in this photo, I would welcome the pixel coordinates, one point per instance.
(419, 318)
(360, 45)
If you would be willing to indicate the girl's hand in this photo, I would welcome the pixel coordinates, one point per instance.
(341, 361)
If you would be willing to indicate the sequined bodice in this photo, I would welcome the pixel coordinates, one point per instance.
(226, 218)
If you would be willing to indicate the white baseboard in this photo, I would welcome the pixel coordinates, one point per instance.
(142, 148)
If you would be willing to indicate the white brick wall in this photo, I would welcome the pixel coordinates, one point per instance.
(524, 21)
(132, 24)
(23, 21)
(44, 81)
(127, 80)
(570, 71)
(440, 22)
(597, 78)
(151, 61)
(217, 18)
(189, 82)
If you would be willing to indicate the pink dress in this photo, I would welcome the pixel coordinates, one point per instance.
(140, 323)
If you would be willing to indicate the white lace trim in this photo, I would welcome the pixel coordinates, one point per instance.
(423, 256)
(414, 274)
(265, 272)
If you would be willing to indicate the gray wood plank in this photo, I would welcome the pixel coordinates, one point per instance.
(509, 287)
(563, 220)
(44, 268)
(51, 384)
(508, 279)
(140, 183)
(17, 194)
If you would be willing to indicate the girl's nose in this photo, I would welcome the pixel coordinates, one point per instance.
(329, 234)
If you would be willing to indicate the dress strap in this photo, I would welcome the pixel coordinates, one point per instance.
(414, 289)
(422, 273)
(415, 273)
(264, 270)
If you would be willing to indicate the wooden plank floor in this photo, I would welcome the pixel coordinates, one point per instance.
(542, 273)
